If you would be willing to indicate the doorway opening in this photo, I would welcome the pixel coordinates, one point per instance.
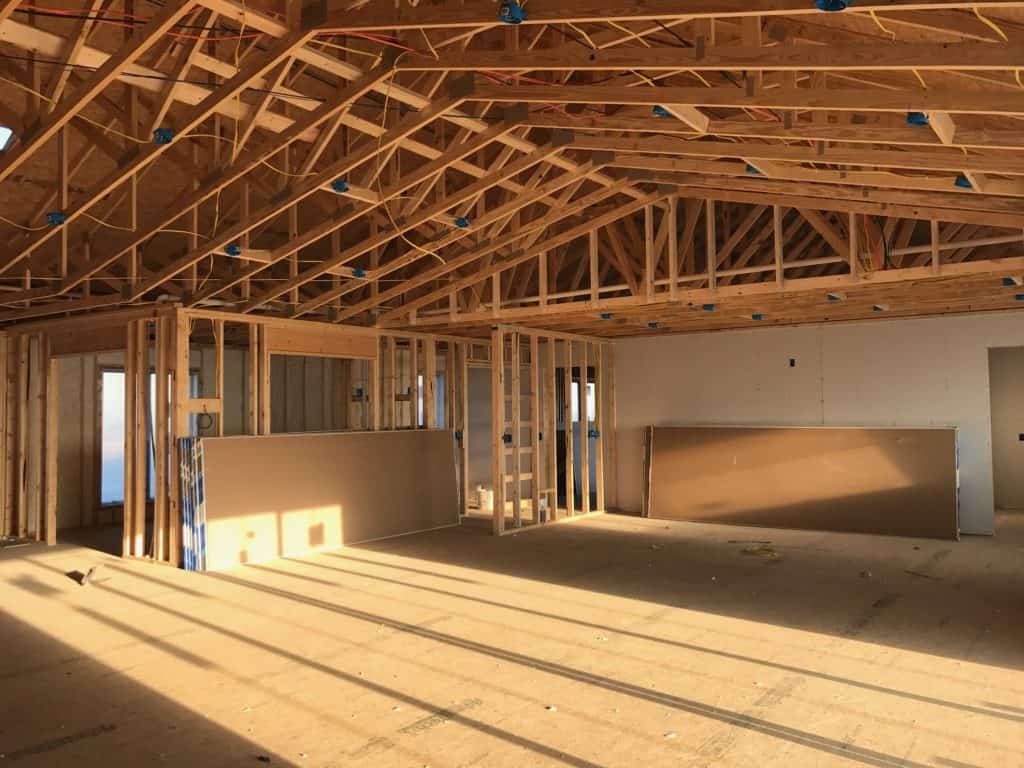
(582, 425)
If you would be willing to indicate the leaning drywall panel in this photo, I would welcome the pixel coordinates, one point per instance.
(288, 495)
(893, 481)
(928, 371)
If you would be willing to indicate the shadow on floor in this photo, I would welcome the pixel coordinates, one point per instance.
(62, 707)
(836, 748)
(956, 599)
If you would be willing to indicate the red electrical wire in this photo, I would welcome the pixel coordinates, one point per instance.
(71, 12)
(383, 41)
(134, 17)
(495, 77)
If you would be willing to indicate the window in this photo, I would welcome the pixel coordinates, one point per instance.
(439, 385)
(6, 134)
(591, 404)
(112, 435)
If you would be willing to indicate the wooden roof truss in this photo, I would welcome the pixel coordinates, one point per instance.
(596, 168)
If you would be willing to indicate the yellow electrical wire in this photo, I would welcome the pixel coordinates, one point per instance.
(991, 24)
(644, 78)
(582, 33)
(183, 232)
(631, 33)
(238, 96)
(380, 188)
(892, 35)
(1002, 35)
(209, 273)
(429, 44)
(878, 23)
(108, 129)
(263, 162)
(699, 76)
(22, 226)
(107, 224)
(48, 100)
(350, 50)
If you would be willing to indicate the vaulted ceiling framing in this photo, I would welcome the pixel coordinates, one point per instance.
(595, 168)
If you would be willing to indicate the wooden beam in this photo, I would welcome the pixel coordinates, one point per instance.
(151, 151)
(824, 197)
(584, 360)
(256, 20)
(498, 427)
(989, 102)
(161, 23)
(567, 386)
(673, 247)
(894, 131)
(511, 261)
(422, 216)
(386, 18)
(931, 159)
(711, 247)
(455, 261)
(904, 57)
(777, 247)
(943, 126)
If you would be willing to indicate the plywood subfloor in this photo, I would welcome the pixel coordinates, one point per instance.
(611, 641)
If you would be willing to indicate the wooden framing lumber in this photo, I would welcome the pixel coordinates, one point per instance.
(384, 18)
(990, 102)
(170, 14)
(904, 57)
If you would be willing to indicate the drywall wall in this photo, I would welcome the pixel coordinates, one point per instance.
(892, 480)
(1006, 378)
(284, 495)
(919, 372)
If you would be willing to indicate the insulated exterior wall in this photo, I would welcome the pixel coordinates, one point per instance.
(900, 482)
(920, 372)
(287, 495)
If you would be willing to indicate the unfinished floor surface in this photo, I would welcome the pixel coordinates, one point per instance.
(610, 641)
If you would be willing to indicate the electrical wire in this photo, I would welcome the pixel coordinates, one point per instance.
(380, 187)
(127, 21)
(22, 226)
(583, 34)
(182, 232)
(878, 23)
(985, 20)
(268, 164)
(631, 33)
(107, 224)
(430, 45)
(346, 48)
(79, 115)
(892, 37)
(161, 78)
